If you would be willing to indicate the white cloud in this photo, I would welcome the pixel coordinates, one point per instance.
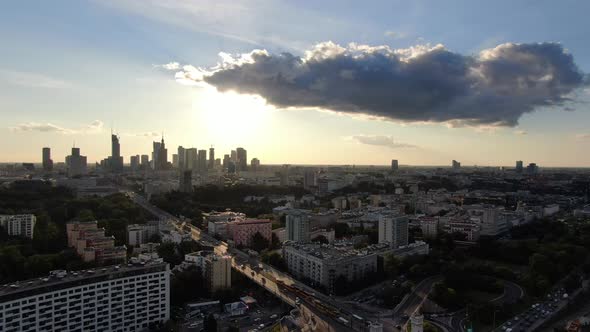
(94, 127)
(380, 140)
(32, 80)
(395, 34)
(521, 132)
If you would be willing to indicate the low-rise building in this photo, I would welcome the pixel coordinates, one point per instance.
(242, 231)
(92, 244)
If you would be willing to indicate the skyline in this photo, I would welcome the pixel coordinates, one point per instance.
(122, 65)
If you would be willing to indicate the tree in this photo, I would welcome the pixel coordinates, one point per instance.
(341, 230)
(391, 265)
(259, 242)
(210, 324)
(320, 239)
(275, 259)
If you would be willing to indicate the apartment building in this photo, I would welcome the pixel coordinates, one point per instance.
(19, 224)
(114, 298)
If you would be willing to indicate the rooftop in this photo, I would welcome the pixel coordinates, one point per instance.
(61, 279)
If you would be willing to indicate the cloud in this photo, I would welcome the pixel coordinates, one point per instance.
(144, 134)
(32, 80)
(521, 132)
(394, 34)
(169, 66)
(95, 126)
(422, 83)
(380, 140)
(583, 136)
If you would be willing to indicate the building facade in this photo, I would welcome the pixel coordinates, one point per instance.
(242, 231)
(114, 298)
(297, 226)
(393, 229)
(19, 224)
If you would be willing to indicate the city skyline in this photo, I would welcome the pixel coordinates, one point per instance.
(189, 91)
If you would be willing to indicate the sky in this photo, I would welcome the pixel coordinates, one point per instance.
(299, 82)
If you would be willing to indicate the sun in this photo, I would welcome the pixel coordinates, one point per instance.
(229, 116)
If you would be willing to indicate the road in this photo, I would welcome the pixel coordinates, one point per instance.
(264, 275)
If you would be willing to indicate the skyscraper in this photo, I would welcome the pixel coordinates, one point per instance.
(76, 163)
(456, 164)
(394, 165)
(175, 160)
(202, 161)
(181, 158)
(519, 167)
(234, 156)
(191, 159)
(115, 160)
(226, 161)
(155, 154)
(255, 164)
(47, 162)
(145, 161)
(211, 158)
(160, 156)
(242, 156)
(134, 162)
(309, 179)
(186, 181)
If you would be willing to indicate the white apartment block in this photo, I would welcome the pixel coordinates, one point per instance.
(322, 264)
(297, 226)
(19, 224)
(115, 298)
(138, 234)
(393, 229)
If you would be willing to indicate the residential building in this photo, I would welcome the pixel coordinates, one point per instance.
(242, 231)
(185, 181)
(113, 298)
(19, 224)
(242, 159)
(323, 264)
(297, 226)
(393, 229)
(138, 234)
(91, 243)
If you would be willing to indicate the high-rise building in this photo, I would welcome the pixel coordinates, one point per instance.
(134, 162)
(211, 164)
(47, 162)
(175, 160)
(76, 163)
(255, 164)
(145, 161)
(284, 175)
(519, 166)
(155, 155)
(393, 229)
(309, 179)
(19, 224)
(115, 161)
(181, 158)
(532, 169)
(218, 272)
(394, 165)
(226, 161)
(297, 225)
(234, 156)
(110, 298)
(202, 161)
(242, 156)
(456, 164)
(186, 181)
(191, 159)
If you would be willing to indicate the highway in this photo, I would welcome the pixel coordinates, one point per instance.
(278, 283)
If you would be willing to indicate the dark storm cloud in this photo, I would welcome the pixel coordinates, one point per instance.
(423, 83)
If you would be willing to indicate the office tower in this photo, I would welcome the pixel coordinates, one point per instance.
(115, 161)
(242, 156)
(191, 159)
(393, 229)
(186, 181)
(309, 179)
(226, 161)
(202, 161)
(519, 167)
(19, 224)
(155, 154)
(297, 226)
(394, 165)
(175, 160)
(134, 162)
(163, 156)
(284, 175)
(255, 164)
(111, 298)
(456, 164)
(211, 158)
(217, 162)
(76, 163)
(181, 158)
(145, 161)
(532, 169)
(234, 156)
(231, 167)
(47, 162)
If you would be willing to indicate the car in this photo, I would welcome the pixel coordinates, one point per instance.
(274, 316)
(257, 319)
(261, 326)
